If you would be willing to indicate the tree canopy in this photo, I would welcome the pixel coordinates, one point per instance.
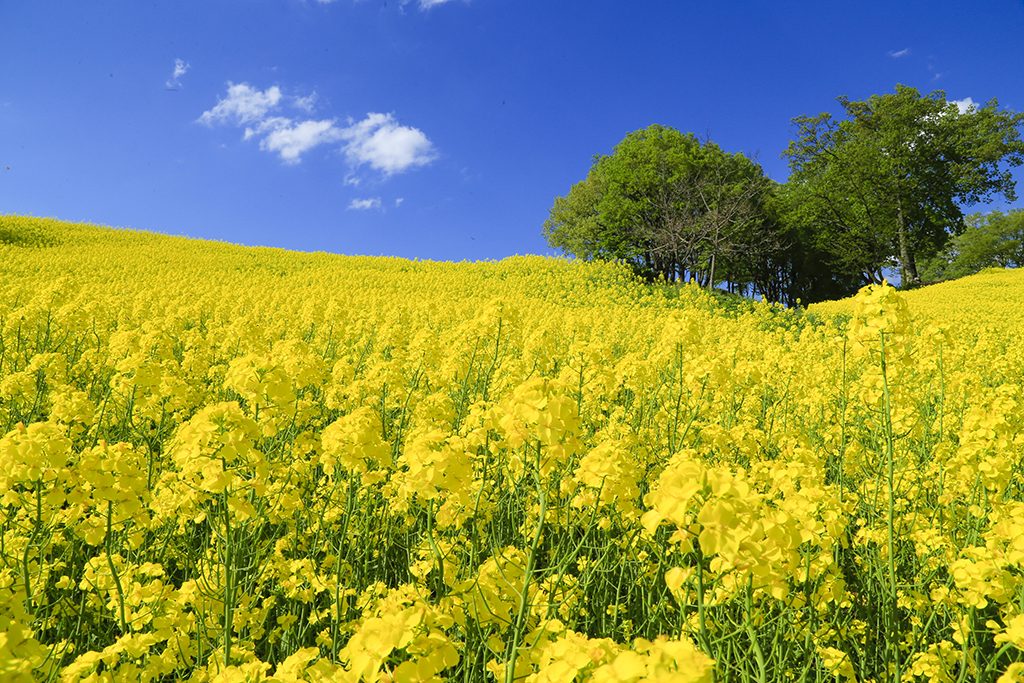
(885, 185)
(992, 240)
(669, 204)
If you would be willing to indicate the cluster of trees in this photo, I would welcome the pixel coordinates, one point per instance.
(992, 240)
(882, 187)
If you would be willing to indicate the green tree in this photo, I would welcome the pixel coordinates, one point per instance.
(884, 185)
(801, 267)
(668, 204)
(992, 240)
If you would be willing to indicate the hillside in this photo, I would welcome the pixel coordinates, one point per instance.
(90, 254)
(232, 463)
(992, 297)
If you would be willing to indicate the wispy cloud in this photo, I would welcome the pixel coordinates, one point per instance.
(965, 105)
(896, 54)
(181, 68)
(243, 104)
(378, 141)
(306, 103)
(423, 4)
(292, 139)
(368, 204)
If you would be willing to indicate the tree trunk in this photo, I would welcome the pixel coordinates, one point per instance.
(908, 266)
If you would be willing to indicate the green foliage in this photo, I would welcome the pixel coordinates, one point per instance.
(884, 186)
(879, 188)
(668, 204)
(993, 240)
(802, 268)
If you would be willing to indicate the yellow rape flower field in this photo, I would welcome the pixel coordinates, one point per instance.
(221, 463)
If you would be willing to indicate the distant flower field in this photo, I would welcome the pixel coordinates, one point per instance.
(221, 463)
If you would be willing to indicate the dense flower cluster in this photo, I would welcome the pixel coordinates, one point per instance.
(228, 464)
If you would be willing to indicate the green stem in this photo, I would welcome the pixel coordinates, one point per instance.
(891, 534)
(113, 570)
(705, 641)
(228, 584)
(524, 595)
(435, 550)
(762, 668)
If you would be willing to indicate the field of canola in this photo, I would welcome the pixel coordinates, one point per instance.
(221, 463)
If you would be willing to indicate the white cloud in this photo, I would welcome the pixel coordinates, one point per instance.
(364, 204)
(381, 143)
(292, 140)
(896, 54)
(423, 4)
(181, 68)
(266, 125)
(965, 105)
(306, 103)
(243, 104)
(377, 141)
(398, 201)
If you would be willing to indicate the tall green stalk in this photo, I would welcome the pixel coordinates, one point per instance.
(893, 639)
(524, 594)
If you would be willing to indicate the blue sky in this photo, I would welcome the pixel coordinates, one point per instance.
(435, 129)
